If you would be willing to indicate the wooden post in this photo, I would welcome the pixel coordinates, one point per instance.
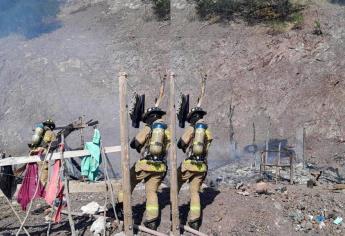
(291, 169)
(175, 225)
(126, 182)
(261, 162)
(267, 142)
(16, 214)
(278, 163)
(299, 149)
(82, 141)
(254, 146)
(70, 219)
(108, 183)
(303, 149)
(265, 157)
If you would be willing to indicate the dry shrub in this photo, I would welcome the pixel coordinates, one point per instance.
(161, 9)
(251, 10)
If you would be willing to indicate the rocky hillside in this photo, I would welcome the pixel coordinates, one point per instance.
(294, 77)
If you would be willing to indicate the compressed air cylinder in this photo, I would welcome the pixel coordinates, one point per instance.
(157, 138)
(37, 136)
(199, 139)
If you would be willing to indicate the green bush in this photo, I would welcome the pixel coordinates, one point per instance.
(211, 8)
(263, 10)
(297, 19)
(161, 9)
(250, 10)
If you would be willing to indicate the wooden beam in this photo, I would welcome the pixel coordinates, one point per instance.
(126, 182)
(91, 187)
(52, 156)
(193, 231)
(149, 231)
(173, 162)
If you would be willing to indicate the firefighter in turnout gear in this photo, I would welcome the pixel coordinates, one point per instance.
(195, 142)
(152, 143)
(41, 139)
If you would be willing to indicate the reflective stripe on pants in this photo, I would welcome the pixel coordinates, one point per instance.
(195, 180)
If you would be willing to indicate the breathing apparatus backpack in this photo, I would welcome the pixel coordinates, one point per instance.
(198, 147)
(156, 142)
(38, 135)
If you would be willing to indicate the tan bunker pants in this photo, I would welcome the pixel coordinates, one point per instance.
(195, 180)
(152, 181)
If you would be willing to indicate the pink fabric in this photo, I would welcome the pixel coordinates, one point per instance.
(57, 215)
(28, 188)
(54, 184)
(55, 190)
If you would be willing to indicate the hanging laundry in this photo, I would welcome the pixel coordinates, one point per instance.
(59, 203)
(29, 185)
(90, 164)
(7, 180)
(55, 184)
(54, 194)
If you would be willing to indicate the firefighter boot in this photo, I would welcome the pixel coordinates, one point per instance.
(194, 224)
(119, 210)
(151, 224)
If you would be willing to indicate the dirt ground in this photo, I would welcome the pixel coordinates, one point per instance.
(225, 212)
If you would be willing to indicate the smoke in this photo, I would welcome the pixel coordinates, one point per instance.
(29, 18)
(340, 2)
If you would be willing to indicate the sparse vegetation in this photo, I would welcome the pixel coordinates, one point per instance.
(222, 8)
(297, 19)
(273, 12)
(317, 28)
(161, 9)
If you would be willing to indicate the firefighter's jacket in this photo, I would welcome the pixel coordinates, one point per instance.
(143, 137)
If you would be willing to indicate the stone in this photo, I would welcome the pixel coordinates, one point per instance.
(298, 228)
(120, 234)
(98, 226)
(297, 216)
(308, 226)
(311, 183)
(261, 188)
(91, 208)
(239, 185)
(278, 206)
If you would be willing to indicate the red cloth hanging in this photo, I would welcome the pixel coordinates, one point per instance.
(54, 184)
(29, 185)
(60, 205)
(54, 193)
